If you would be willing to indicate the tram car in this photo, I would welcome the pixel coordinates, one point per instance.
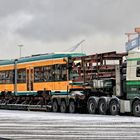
(29, 80)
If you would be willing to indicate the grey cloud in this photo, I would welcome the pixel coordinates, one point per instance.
(58, 21)
(8, 7)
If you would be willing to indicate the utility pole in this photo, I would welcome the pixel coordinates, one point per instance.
(20, 47)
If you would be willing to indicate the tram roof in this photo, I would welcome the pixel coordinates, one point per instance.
(41, 57)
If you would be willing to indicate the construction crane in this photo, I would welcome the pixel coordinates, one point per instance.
(71, 49)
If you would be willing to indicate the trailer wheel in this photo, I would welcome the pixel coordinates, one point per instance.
(102, 107)
(55, 106)
(92, 106)
(114, 107)
(72, 107)
(136, 108)
(63, 107)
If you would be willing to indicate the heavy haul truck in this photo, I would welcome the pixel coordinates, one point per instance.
(69, 82)
(97, 85)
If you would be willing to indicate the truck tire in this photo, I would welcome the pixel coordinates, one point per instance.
(55, 106)
(92, 106)
(114, 107)
(136, 108)
(72, 107)
(63, 107)
(102, 107)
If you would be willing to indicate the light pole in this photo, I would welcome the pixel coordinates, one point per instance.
(20, 46)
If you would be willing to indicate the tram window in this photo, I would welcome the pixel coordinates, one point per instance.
(64, 72)
(6, 77)
(138, 72)
(9, 76)
(48, 73)
(60, 72)
(2, 77)
(57, 72)
(38, 74)
(21, 76)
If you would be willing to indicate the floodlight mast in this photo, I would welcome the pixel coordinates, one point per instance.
(20, 46)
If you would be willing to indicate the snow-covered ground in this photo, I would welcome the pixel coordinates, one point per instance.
(45, 125)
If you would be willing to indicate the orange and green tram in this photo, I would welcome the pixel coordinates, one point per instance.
(38, 80)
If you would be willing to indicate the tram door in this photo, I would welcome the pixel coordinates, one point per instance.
(30, 74)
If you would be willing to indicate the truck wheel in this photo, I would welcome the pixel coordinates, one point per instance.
(55, 106)
(91, 106)
(136, 108)
(63, 107)
(102, 107)
(72, 107)
(114, 107)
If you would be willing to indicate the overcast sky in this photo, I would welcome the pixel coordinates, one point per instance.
(44, 26)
